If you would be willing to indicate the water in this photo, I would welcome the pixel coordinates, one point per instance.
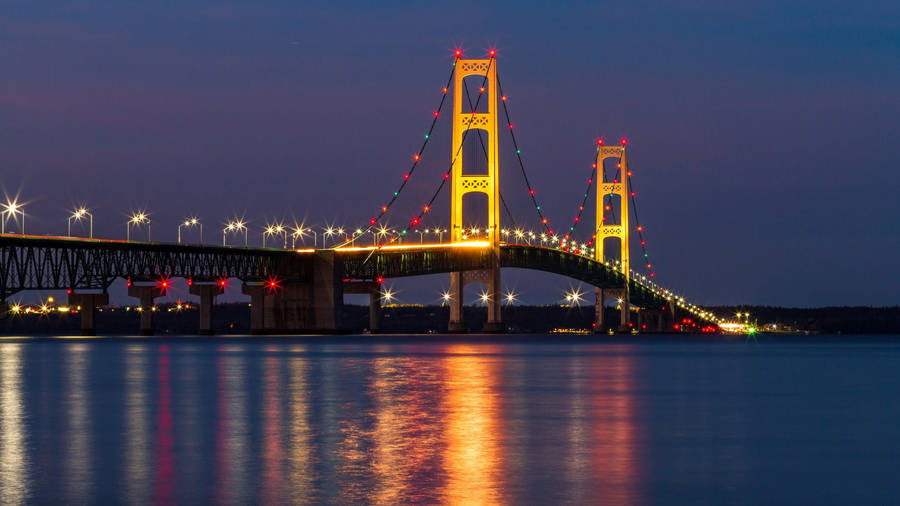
(506, 420)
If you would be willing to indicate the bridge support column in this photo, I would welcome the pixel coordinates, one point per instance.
(375, 312)
(4, 308)
(456, 325)
(145, 294)
(207, 293)
(373, 289)
(494, 325)
(308, 305)
(257, 295)
(604, 294)
(88, 303)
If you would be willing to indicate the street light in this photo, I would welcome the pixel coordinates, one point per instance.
(136, 220)
(10, 209)
(189, 223)
(301, 232)
(440, 233)
(277, 229)
(329, 232)
(235, 226)
(77, 215)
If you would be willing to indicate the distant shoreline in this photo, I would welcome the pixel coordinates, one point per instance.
(233, 319)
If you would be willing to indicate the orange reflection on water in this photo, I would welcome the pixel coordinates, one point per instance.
(407, 431)
(472, 459)
(616, 459)
(302, 461)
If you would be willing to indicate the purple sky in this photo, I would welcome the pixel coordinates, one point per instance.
(763, 136)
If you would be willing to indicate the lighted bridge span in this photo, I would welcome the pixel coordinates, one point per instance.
(303, 288)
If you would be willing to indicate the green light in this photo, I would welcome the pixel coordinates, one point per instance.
(426, 136)
(518, 151)
(395, 194)
(751, 330)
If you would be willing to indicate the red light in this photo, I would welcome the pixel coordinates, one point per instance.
(458, 54)
(222, 282)
(492, 53)
(415, 221)
(372, 221)
(632, 194)
(436, 114)
(190, 282)
(643, 243)
(69, 291)
(531, 191)
(379, 280)
(406, 177)
(384, 209)
(551, 231)
(128, 282)
(416, 157)
(624, 141)
(577, 219)
(652, 275)
(426, 209)
(445, 91)
(599, 142)
(447, 176)
(510, 126)
(503, 98)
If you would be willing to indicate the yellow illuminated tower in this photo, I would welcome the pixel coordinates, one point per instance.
(602, 231)
(487, 184)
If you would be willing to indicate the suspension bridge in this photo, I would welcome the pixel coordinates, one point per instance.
(302, 290)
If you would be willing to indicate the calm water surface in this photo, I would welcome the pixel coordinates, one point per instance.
(505, 420)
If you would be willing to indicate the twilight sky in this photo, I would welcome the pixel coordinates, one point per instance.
(763, 135)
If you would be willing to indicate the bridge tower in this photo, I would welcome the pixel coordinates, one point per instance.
(487, 184)
(618, 187)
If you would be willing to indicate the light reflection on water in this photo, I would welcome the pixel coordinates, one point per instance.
(285, 422)
(13, 458)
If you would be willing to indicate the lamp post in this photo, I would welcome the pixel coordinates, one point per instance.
(77, 215)
(189, 223)
(440, 233)
(328, 232)
(301, 232)
(136, 220)
(273, 230)
(234, 226)
(10, 210)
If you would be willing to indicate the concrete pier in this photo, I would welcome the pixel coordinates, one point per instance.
(309, 303)
(373, 289)
(88, 303)
(601, 296)
(145, 293)
(207, 293)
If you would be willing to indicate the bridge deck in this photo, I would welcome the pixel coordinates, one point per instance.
(48, 262)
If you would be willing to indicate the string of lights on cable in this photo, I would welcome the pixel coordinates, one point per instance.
(414, 222)
(418, 156)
